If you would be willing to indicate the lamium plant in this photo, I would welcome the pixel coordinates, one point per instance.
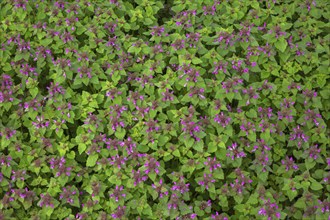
(154, 109)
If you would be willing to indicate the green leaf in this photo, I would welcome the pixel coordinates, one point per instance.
(316, 186)
(263, 176)
(300, 203)
(34, 92)
(292, 194)
(281, 44)
(91, 160)
(46, 42)
(252, 137)
(120, 133)
(199, 146)
(143, 148)
(81, 148)
(7, 67)
(162, 140)
(195, 60)
(189, 142)
(148, 21)
(178, 8)
(176, 153)
(309, 163)
(212, 147)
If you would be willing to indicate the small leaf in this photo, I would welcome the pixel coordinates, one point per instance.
(81, 148)
(281, 44)
(143, 148)
(162, 140)
(316, 186)
(195, 60)
(91, 160)
(34, 92)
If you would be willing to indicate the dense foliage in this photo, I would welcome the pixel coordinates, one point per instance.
(164, 109)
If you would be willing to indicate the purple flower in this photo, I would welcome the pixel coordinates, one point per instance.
(157, 31)
(314, 152)
(231, 83)
(84, 70)
(252, 94)
(59, 166)
(112, 93)
(261, 145)
(222, 119)
(181, 186)
(247, 126)
(235, 152)
(218, 216)
(28, 70)
(265, 112)
(20, 4)
(324, 206)
(62, 62)
(289, 164)
(245, 32)
(157, 49)
(138, 177)
(209, 10)
(160, 189)
(55, 89)
(167, 95)
(266, 49)
(114, 121)
(277, 30)
(110, 26)
(92, 119)
(193, 38)
(5, 160)
(212, 163)
(46, 200)
(117, 194)
(196, 91)
(237, 186)
(174, 202)
(120, 212)
(41, 123)
(220, 65)
(266, 86)
(311, 115)
(270, 210)
(299, 135)
(18, 175)
(225, 37)
(152, 165)
(178, 44)
(118, 160)
(207, 179)
(66, 37)
(134, 97)
(42, 52)
(262, 160)
(5, 96)
(8, 133)
(204, 205)
(67, 193)
(263, 28)
(151, 126)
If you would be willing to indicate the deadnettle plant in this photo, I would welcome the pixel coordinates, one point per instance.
(299, 136)
(235, 152)
(270, 210)
(164, 109)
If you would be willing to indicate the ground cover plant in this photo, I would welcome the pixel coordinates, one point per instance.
(153, 109)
